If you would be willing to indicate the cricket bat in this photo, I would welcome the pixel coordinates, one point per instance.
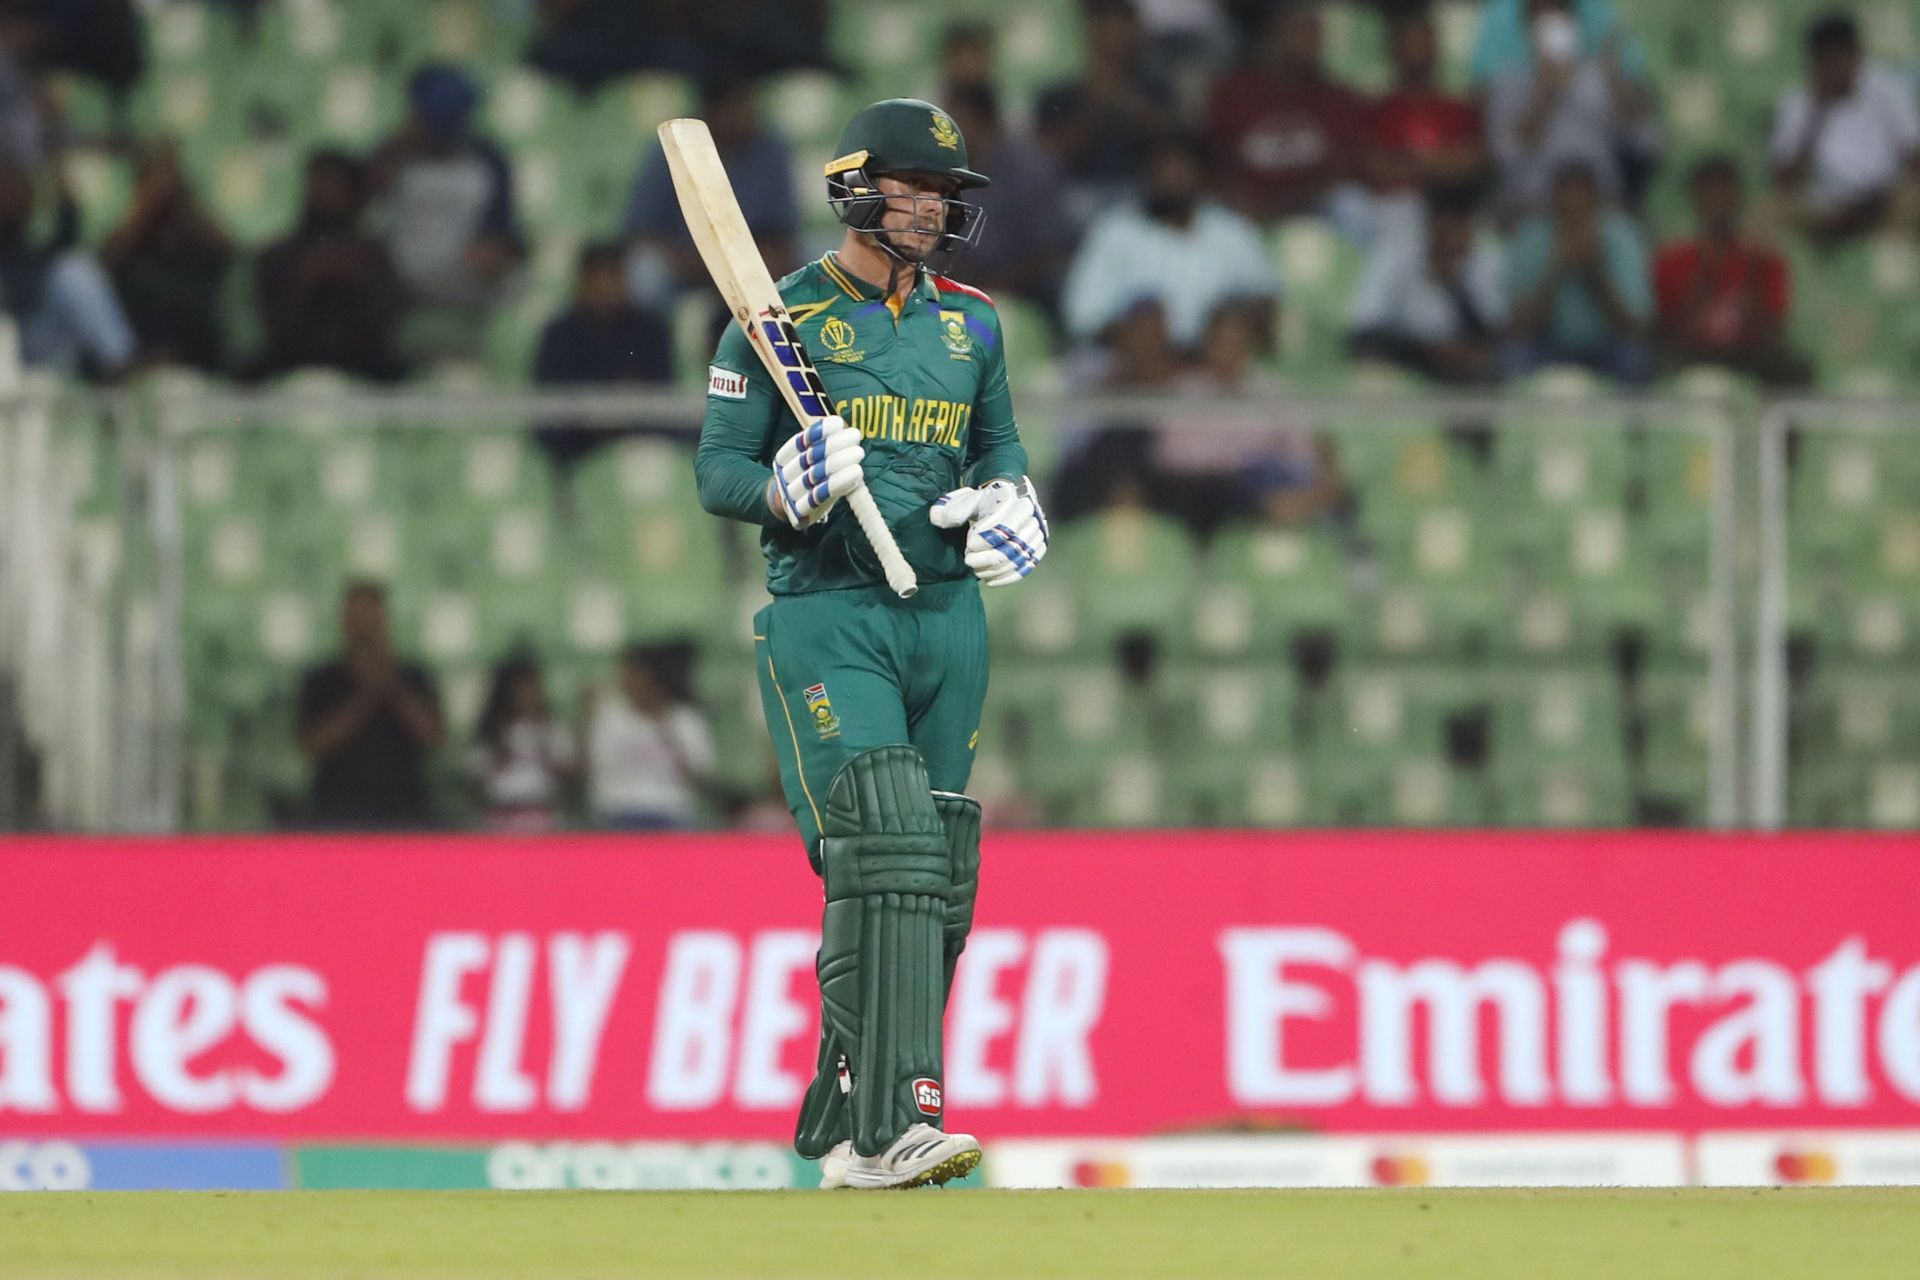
(726, 246)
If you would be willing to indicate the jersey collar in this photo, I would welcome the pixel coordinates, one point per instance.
(853, 286)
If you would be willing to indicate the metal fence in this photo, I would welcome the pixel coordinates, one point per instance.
(97, 570)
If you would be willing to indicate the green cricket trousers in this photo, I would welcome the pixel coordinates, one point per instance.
(842, 672)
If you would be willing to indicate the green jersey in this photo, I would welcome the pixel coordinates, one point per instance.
(927, 390)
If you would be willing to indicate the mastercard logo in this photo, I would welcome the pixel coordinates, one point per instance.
(1805, 1166)
(1101, 1173)
(1401, 1171)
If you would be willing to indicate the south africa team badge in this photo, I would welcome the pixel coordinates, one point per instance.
(825, 723)
(953, 332)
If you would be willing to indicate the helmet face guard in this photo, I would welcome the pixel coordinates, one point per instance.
(854, 193)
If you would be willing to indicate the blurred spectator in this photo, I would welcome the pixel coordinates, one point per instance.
(523, 760)
(1176, 247)
(589, 42)
(169, 259)
(448, 213)
(70, 321)
(1267, 464)
(1421, 136)
(1433, 297)
(966, 65)
(24, 38)
(101, 39)
(1101, 125)
(760, 166)
(367, 721)
(1580, 287)
(1291, 134)
(649, 752)
(1568, 104)
(327, 294)
(765, 810)
(1105, 462)
(1188, 41)
(1025, 241)
(602, 338)
(1505, 40)
(1722, 298)
(1842, 140)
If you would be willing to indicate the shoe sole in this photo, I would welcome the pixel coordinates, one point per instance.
(954, 1166)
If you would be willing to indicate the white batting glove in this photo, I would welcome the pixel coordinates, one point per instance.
(815, 469)
(1006, 529)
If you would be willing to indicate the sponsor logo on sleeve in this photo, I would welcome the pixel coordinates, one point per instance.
(725, 383)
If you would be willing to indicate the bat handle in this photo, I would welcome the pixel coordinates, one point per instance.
(899, 573)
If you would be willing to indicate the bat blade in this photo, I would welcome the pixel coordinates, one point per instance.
(725, 244)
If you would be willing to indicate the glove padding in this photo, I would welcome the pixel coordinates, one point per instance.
(815, 469)
(1006, 529)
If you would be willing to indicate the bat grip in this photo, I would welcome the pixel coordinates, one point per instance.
(899, 573)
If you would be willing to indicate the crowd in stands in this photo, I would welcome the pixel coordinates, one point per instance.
(1503, 229)
(638, 756)
(1503, 224)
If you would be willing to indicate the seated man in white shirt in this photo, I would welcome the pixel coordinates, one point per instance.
(1842, 141)
(650, 755)
(1177, 247)
(1433, 296)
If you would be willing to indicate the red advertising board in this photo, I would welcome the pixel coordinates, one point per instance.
(1118, 983)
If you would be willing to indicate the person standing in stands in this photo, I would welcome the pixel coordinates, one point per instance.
(649, 752)
(524, 761)
(368, 721)
(447, 196)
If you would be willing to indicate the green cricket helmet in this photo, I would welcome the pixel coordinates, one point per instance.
(902, 135)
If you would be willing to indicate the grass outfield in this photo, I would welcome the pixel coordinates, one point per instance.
(990, 1235)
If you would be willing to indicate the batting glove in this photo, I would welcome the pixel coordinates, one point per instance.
(1006, 529)
(814, 470)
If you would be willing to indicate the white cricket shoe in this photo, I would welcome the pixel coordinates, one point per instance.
(833, 1166)
(922, 1155)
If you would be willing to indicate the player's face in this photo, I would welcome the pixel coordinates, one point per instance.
(916, 213)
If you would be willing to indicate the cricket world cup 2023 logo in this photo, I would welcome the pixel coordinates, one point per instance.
(838, 337)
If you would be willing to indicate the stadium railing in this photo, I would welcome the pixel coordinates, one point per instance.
(1633, 551)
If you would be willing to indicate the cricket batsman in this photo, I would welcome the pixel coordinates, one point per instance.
(874, 701)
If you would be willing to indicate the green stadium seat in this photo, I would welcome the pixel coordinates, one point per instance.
(1589, 793)
(1268, 584)
(102, 186)
(1884, 795)
(1676, 716)
(1356, 47)
(1119, 571)
(1550, 467)
(1568, 714)
(1238, 789)
(1319, 269)
(1398, 470)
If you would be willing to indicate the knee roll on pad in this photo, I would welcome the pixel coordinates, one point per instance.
(884, 854)
(960, 816)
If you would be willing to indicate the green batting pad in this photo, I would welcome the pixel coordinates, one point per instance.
(960, 815)
(884, 853)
